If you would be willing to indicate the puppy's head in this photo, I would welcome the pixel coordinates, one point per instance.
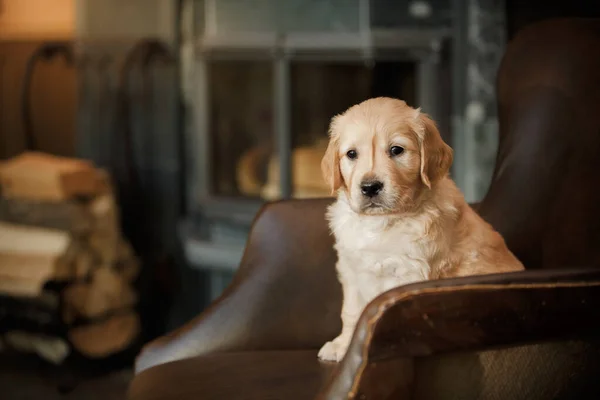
(384, 155)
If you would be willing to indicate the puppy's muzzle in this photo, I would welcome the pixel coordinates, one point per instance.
(371, 188)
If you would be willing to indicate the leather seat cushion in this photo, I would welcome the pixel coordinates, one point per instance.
(259, 375)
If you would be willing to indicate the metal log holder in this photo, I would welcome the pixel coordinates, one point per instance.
(45, 52)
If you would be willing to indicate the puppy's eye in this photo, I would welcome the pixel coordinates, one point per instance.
(352, 154)
(396, 150)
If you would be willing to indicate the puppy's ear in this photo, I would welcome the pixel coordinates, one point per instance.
(436, 155)
(330, 164)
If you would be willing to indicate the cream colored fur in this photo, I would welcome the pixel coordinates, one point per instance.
(418, 228)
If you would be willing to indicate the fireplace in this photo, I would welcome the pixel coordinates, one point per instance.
(262, 80)
(243, 137)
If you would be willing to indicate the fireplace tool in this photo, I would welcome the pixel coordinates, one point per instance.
(95, 107)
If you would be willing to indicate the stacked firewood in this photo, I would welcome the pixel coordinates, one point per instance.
(66, 272)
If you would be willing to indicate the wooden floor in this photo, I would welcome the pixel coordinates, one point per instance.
(25, 378)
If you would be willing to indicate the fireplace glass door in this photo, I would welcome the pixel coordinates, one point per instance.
(241, 126)
(244, 156)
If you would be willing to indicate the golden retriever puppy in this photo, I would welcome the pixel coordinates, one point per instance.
(398, 217)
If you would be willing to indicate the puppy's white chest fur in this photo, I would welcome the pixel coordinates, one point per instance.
(377, 253)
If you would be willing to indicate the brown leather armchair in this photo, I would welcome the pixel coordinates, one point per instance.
(527, 335)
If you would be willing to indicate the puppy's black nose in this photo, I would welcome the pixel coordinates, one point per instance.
(371, 188)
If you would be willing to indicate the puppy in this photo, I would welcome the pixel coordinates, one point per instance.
(398, 217)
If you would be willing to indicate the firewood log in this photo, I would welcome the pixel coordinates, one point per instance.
(29, 257)
(34, 267)
(33, 256)
(128, 265)
(19, 287)
(52, 349)
(103, 338)
(71, 216)
(105, 293)
(39, 176)
(34, 314)
(32, 240)
(106, 234)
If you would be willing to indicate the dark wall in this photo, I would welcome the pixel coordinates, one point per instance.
(521, 13)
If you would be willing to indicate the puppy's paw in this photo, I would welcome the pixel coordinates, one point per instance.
(334, 350)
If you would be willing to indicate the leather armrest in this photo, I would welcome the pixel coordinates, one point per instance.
(284, 296)
(469, 314)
